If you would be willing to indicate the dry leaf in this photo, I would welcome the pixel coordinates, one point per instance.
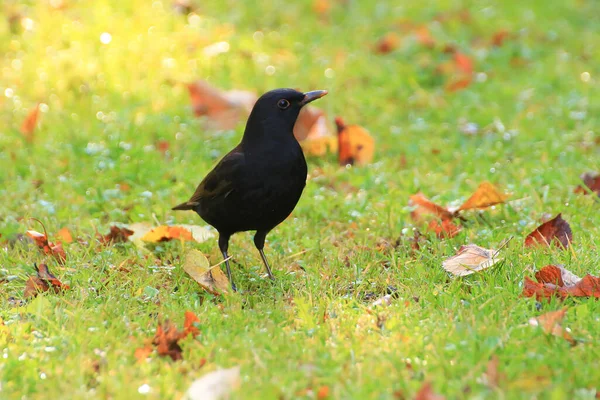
(213, 280)
(423, 36)
(55, 250)
(485, 196)
(355, 144)
(426, 393)
(116, 235)
(444, 229)
(30, 123)
(167, 337)
(65, 235)
(388, 43)
(559, 282)
(43, 282)
(320, 146)
(214, 385)
(311, 123)
(500, 37)
(556, 230)
(492, 375)
(223, 110)
(165, 233)
(426, 206)
(591, 183)
(463, 63)
(469, 259)
(551, 324)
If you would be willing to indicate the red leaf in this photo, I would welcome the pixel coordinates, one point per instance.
(445, 229)
(463, 63)
(556, 230)
(30, 123)
(55, 250)
(557, 281)
(426, 206)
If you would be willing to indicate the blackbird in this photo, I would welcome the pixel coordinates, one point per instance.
(258, 183)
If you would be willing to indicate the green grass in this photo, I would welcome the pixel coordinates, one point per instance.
(108, 104)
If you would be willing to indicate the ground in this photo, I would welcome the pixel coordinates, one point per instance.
(110, 76)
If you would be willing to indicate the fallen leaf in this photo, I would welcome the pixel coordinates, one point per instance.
(167, 337)
(500, 37)
(355, 144)
(551, 324)
(214, 385)
(223, 110)
(165, 233)
(423, 36)
(321, 7)
(492, 375)
(470, 258)
(323, 393)
(444, 229)
(30, 123)
(426, 206)
(388, 43)
(426, 393)
(463, 63)
(591, 183)
(485, 196)
(116, 235)
(162, 146)
(459, 84)
(320, 146)
(558, 281)
(54, 250)
(142, 353)
(43, 282)
(556, 230)
(65, 235)
(213, 280)
(311, 123)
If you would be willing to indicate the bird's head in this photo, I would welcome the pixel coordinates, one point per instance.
(277, 110)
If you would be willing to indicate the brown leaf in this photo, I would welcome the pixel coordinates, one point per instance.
(470, 258)
(492, 375)
(485, 196)
(30, 123)
(500, 37)
(444, 229)
(591, 181)
(459, 84)
(551, 324)
(116, 235)
(388, 43)
(311, 123)
(167, 337)
(556, 230)
(43, 282)
(426, 393)
(355, 144)
(426, 206)
(223, 110)
(141, 353)
(557, 281)
(55, 250)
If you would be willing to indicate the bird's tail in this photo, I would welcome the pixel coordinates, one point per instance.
(184, 206)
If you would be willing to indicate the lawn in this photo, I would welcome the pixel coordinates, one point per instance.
(110, 77)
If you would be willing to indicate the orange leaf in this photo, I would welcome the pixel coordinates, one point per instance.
(167, 336)
(445, 229)
(426, 393)
(388, 43)
(321, 7)
(355, 144)
(323, 393)
(426, 206)
(424, 37)
(500, 37)
(459, 84)
(485, 196)
(164, 233)
(141, 353)
(556, 230)
(223, 110)
(188, 324)
(43, 282)
(320, 146)
(311, 123)
(463, 63)
(30, 123)
(65, 235)
(551, 324)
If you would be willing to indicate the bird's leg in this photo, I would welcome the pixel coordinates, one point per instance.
(224, 245)
(259, 242)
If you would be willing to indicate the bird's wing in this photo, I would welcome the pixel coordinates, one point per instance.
(219, 182)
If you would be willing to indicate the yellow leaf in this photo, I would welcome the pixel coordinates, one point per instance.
(485, 196)
(213, 280)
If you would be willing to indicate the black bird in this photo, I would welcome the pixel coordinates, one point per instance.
(258, 183)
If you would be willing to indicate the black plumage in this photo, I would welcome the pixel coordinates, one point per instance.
(258, 183)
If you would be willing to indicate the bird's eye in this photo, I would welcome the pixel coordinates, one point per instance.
(283, 104)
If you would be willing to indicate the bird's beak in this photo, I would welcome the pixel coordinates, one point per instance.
(314, 95)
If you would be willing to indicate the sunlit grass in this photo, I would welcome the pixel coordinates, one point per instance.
(111, 79)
